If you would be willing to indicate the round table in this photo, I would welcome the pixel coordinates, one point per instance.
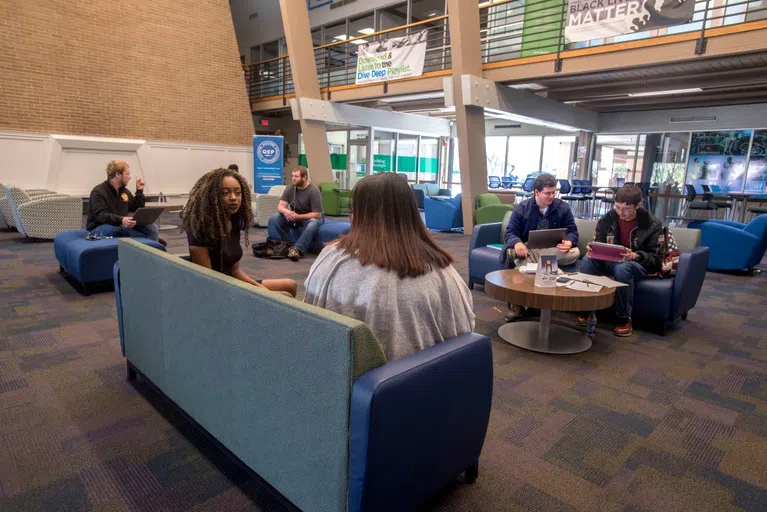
(515, 287)
(174, 205)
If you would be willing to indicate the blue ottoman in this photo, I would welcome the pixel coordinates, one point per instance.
(329, 231)
(89, 261)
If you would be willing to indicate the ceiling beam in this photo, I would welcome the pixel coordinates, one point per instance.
(709, 80)
(519, 105)
(352, 115)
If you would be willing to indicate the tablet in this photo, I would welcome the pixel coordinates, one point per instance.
(607, 252)
(545, 238)
(147, 215)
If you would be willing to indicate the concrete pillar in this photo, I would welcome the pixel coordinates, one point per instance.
(470, 121)
(298, 35)
(583, 158)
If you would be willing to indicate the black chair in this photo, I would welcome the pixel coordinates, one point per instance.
(720, 203)
(697, 205)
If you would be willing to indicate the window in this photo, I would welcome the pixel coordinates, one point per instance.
(390, 17)
(428, 161)
(524, 156)
(495, 152)
(614, 160)
(383, 151)
(558, 155)
(407, 150)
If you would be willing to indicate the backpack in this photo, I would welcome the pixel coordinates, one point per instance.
(271, 249)
(670, 254)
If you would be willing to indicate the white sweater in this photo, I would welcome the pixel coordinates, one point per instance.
(406, 315)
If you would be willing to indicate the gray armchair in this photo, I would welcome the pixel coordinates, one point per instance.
(43, 216)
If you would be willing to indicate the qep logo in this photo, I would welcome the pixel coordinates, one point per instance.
(268, 152)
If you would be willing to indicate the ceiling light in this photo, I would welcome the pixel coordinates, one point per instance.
(359, 41)
(366, 31)
(431, 14)
(342, 37)
(664, 93)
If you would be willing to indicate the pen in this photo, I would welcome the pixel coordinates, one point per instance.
(498, 310)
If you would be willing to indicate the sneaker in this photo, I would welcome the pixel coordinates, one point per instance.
(163, 241)
(294, 254)
(581, 321)
(623, 329)
(515, 313)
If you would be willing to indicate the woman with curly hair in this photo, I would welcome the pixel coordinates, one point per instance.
(217, 213)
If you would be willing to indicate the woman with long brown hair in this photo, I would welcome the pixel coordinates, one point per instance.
(390, 273)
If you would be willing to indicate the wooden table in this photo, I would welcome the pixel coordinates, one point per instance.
(515, 287)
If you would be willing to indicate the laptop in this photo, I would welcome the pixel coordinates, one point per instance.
(147, 215)
(607, 252)
(545, 238)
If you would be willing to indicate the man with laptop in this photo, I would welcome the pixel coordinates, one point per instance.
(626, 248)
(545, 216)
(110, 205)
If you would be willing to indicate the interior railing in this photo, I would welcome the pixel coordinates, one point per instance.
(509, 30)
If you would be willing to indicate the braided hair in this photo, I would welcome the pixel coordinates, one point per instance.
(203, 214)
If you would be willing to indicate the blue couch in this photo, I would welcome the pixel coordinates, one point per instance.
(734, 246)
(443, 214)
(663, 300)
(301, 395)
(329, 231)
(89, 261)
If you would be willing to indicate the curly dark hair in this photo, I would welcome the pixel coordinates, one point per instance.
(203, 214)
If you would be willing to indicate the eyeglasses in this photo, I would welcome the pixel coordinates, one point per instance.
(625, 209)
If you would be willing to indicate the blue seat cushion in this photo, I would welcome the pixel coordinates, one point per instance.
(61, 240)
(91, 261)
(482, 261)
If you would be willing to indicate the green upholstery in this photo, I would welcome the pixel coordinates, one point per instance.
(334, 200)
(487, 200)
(490, 209)
(269, 377)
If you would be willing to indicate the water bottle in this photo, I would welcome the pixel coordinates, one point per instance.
(591, 325)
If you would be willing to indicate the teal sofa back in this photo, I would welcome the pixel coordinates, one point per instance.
(269, 377)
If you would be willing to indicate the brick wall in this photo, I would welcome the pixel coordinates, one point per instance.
(147, 69)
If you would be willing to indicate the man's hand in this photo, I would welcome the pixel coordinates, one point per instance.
(565, 246)
(588, 250)
(140, 184)
(629, 255)
(521, 250)
(289, 215)
(128, 222)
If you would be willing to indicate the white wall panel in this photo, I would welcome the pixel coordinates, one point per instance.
(22, 159)
(74, 165)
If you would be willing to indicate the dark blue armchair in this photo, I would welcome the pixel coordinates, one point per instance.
(443, 214)
(734, 246)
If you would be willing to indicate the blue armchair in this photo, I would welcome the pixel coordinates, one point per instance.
(443, 213)
(734, 246)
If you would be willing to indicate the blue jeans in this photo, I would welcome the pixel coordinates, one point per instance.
(628, 272)
(307, 228)
(149, 231)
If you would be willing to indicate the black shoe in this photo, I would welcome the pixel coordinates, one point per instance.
(515, 313)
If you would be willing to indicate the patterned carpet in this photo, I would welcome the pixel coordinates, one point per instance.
(647, 423)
